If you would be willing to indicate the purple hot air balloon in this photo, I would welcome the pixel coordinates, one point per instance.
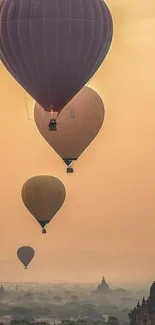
(1, 3)
(53, 47)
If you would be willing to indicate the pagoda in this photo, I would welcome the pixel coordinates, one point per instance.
(102, 288)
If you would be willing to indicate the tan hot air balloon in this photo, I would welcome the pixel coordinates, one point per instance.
(25, 255)
(77, 125)
(43, 196)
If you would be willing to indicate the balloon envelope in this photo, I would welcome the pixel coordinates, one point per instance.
(53, 47)
(43, 196)
(1, 3)
(25, 255)
(77, 125)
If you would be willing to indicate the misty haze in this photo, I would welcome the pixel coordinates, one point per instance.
(55, 303)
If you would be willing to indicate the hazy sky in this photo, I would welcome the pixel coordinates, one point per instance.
(107, 224)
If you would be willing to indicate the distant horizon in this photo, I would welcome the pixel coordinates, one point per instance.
(110, 283)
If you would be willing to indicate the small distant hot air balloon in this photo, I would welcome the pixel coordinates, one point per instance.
(77, 125)
(53, 47)
(43, 196)
(25, 255)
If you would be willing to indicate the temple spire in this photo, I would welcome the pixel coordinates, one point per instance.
(103, 280)
(144, 312)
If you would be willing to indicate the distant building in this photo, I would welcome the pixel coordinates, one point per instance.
(105, 318)
(49, 320)
(2, 292)
(144, 313)
(102, 287)
(113, 321)
(74, 298)
(5, 319)
(1, 289)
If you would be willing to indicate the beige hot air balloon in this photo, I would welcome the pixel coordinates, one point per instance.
(43, 196)
(25, 255)
(77, 125)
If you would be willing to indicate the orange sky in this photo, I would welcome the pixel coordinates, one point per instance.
(107, 223)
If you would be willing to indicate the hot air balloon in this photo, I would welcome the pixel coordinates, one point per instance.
(77, 125)
(25, 255)
(43, 196)
(53, 47)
